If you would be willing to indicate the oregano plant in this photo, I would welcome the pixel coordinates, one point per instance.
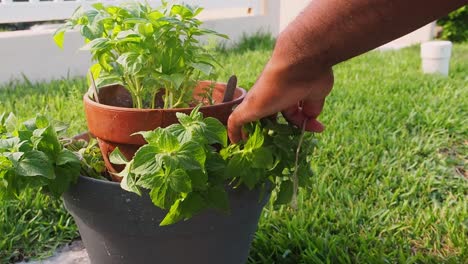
(150, 51)
(32, 156)
(188, 166)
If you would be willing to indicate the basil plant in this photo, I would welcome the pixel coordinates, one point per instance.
(150, 51)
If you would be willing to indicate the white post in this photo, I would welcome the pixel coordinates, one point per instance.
(436, 57)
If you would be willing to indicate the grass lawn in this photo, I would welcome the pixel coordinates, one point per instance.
(391, 182)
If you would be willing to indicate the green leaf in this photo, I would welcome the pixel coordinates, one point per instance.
(216, 166)
(11, 123)
(162, 194)
(117, 157)
(256, 139)
(66, 174)
(98, 43)
(235, 166)
(129, 180)
(105, 61)
(251, 177)
(198, 179)
(182, 11)
(218, 198)
(95, 71)
(215, 131)
(205, 68)
(5, 164)
(65, 157)
(98, 6)
(146, 29)
(9, 144)
(262, 158)
(35, 163)
(42, 121)
(196, 114)
(46, 139)
(148, 181)
(173, 216)
(167, 142)
(152, 137)
(126, 34)
(285, 193)
(182, 134)
(184, 119)
(108, 80)
(175, 79)
(192, 204)
(145, 162)
(197, 11)
(59, 37)
(184, 209)
(87, 32)
(192, 156)
(180, 181)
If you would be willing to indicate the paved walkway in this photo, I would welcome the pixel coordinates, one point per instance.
(69, 254)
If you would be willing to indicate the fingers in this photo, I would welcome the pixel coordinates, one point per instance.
(239, 117)
(311, 106)
(272, 94)
(235, 124)
(296, 115)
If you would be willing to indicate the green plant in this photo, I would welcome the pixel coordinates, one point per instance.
(149, 51)
(185, 173)
(92, 163)
(455, 25)
(32, 156)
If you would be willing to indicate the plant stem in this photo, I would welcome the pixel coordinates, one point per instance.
(296, 165)
(181, 97)
(138, 95)
(166, 98)
(153, 104)
(131, 89)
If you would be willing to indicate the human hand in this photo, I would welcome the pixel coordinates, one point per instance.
(299, 95)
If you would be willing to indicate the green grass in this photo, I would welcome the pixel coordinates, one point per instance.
(390, 183)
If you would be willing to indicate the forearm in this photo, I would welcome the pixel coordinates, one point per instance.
(325, 33)
(330, 31)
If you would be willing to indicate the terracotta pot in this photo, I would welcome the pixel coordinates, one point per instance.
(113, 121)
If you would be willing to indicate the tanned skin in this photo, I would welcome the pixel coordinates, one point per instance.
(299, 74)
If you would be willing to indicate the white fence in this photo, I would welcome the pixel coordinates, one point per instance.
(35, 10)
(32, 53)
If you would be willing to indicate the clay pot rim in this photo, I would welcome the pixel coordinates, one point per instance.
(88, 100)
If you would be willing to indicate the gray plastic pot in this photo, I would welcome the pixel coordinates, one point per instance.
(121, 227)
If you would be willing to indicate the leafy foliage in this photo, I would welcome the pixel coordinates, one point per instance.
(146, 49)
(92, 163)
(32, 156)
(185, 174)
(455, 25)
